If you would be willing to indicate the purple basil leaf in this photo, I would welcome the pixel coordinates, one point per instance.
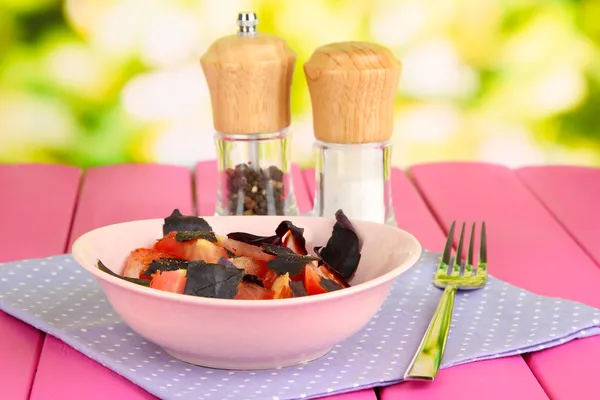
(254, 239)
(286, 260)
(334, 273)
(297, 234)
(250, 278)
(290, 263)
(212, 280)
(276, 250)
(226, 262)
(230, 254)
(184, 236)
(298, 289)
(176, 222)
(330, 285)
(342, 252)
(103, 268)
(343, 220)
(166, 264)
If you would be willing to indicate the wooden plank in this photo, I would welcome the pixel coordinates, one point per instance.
(36, 203)
(571, 194)
(109, 195)
(527, 247)
(486, 380)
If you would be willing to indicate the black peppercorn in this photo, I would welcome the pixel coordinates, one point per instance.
(255, 191)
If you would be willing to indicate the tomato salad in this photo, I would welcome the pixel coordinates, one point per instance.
(192, 259)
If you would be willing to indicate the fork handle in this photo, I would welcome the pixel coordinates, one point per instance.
(426, 362)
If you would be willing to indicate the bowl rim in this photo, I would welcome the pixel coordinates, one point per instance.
(78, 249)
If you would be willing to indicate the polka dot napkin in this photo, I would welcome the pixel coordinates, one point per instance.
(59, 297)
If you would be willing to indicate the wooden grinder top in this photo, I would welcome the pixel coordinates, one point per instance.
(249, 76)
(352, 88)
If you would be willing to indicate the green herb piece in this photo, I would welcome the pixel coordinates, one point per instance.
(185, 236)
(286, 260)
(142, 282)
(212, 280)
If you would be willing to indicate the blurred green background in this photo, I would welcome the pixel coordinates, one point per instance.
(91, 82)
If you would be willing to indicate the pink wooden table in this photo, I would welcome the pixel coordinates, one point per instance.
(540, 219)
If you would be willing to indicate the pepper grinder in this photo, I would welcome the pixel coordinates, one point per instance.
(249, 76)
(352, 88)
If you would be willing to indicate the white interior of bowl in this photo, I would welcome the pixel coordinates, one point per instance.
(384, 248)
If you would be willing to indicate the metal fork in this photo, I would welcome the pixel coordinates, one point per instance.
(450, 276)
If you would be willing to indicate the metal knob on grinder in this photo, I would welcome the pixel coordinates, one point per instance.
(249, 77)
(247, 22)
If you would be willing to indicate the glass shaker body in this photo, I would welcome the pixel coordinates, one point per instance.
(255, 174)
(356, 179)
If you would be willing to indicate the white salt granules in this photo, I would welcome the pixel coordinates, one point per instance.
(352, 179)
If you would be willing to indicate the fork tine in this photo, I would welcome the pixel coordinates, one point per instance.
(482, 266)
(445, 261)
(458, 258)
(469, 263)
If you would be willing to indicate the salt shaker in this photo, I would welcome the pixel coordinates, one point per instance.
(352, 87)
(249, 77)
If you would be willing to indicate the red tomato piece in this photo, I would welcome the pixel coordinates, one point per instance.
(242, 249)
(192, 250)
(330, 273)
(170, 281)
(281, 288)
(139, 260)
(269, 278)
(289, 242)
(312, 280)
(251, 266)
(251, 291)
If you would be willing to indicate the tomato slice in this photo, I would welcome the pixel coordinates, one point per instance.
(289, 242)
(251, 266)
(242, 249)
(251, 291)
(312, 280)
(281, 288)
(138, 261)
(170, 281)
(270, 278)
(193, 250)
(330, 273)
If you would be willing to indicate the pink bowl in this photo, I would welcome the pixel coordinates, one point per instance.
(249, 334)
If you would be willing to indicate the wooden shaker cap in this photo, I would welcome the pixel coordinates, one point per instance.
(352, 87)
(249, 78)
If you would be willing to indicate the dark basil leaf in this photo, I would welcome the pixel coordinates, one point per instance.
(343, 220)
(226, 263)
(230, 254)
(166, 264)
(176, 222)
(297, 234)
(212, 280)
(286, 260)
(298, 289)
(254, 239)
(276, 250)
(342, 252)
(192, 235)
(330, 285)
(103, 268)
(336, 275)
(249, 278)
